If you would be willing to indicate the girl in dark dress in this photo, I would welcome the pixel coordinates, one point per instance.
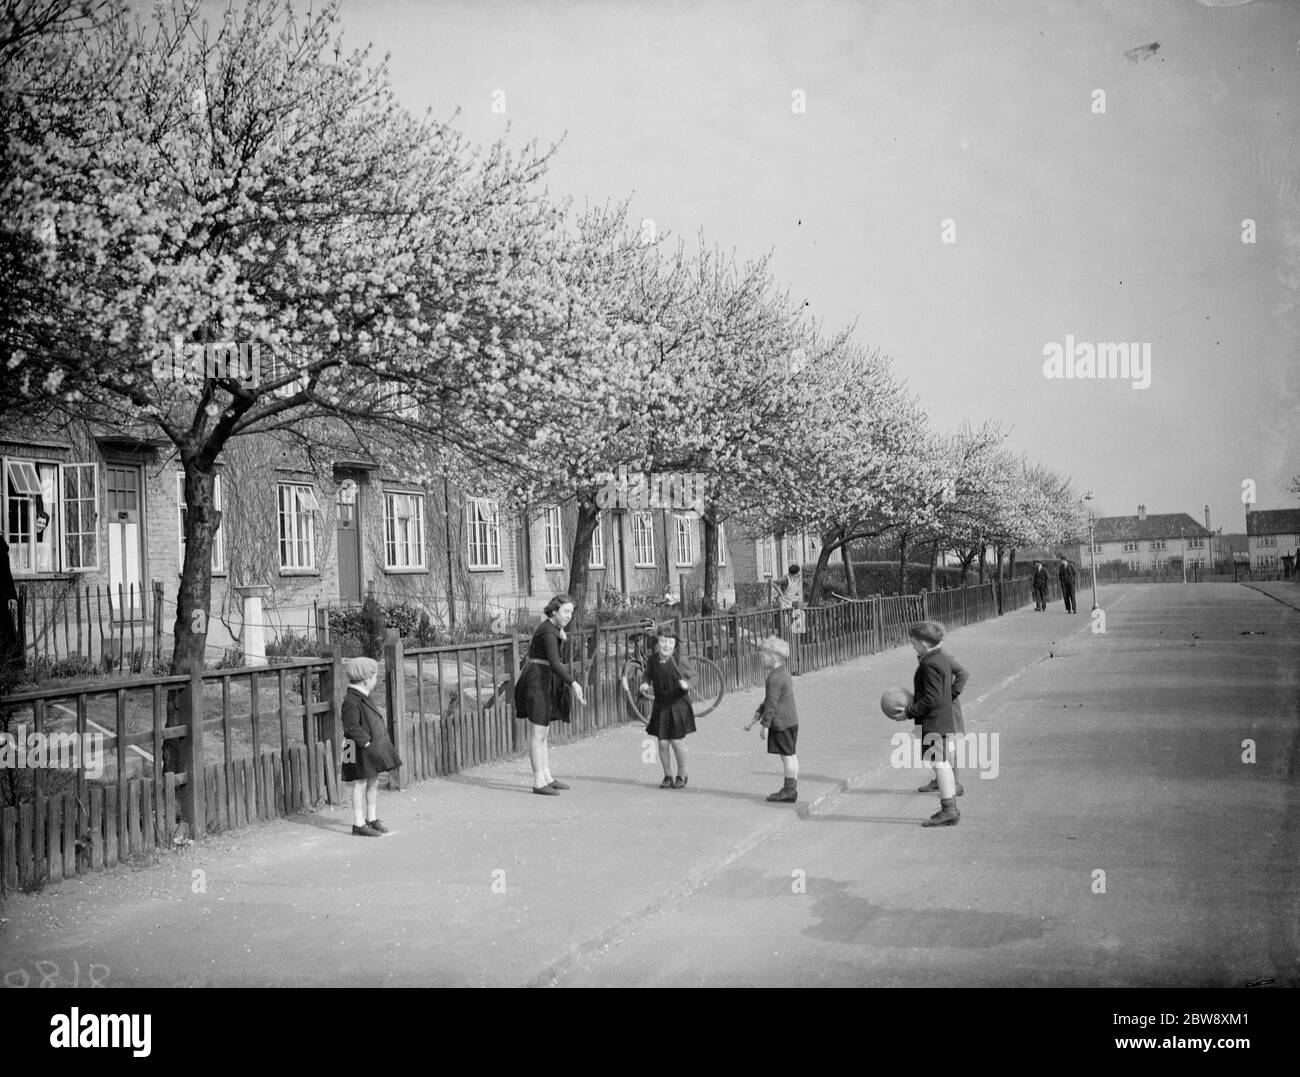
(668, 679)
(368, 752)
(543, 691)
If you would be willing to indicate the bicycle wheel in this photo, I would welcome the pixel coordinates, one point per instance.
(709, 688)
(637, 706)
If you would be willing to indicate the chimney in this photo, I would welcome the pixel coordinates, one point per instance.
(1142, 513)
(1207, 519)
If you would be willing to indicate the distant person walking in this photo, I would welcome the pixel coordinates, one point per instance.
(543, 689)
(1039, 585)
(1068, 577)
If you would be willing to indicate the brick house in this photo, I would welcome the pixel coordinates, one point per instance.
(91, 509)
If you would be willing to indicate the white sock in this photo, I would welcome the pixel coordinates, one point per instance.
(540, 779)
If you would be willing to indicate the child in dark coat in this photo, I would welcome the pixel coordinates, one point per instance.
(779, 718)
(939, 679)
(368, 751)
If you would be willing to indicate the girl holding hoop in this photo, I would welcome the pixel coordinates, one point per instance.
(543, 691)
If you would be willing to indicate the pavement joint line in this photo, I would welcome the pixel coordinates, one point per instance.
(1275, 598)
(585, 953)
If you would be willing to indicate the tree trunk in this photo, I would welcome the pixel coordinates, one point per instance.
(190, 630)
(1011, 565)
(709, 536)
(580, 564)
(850, 581)
(934, 561)
(967, 557)
(835, 539)
(902, 563)
(983, 550)
(998, 578)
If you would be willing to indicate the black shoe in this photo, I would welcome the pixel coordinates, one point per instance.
(933, 787)
(545, 791)
(961, 790)
(366, 831)
(667, 783)
(947, 815)
(784, 796)
(679, 782)
(375, 824)
(557, 785)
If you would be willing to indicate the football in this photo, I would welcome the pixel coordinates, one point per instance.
(894, 701)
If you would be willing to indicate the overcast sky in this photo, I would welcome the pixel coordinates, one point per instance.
(1117, 226)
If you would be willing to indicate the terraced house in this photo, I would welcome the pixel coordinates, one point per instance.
(94, 523)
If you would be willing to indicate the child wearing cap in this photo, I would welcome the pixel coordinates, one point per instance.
(667, 680)
(779, 718)
(369, 751)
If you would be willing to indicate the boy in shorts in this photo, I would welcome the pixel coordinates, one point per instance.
(939, 679)
(780, 720)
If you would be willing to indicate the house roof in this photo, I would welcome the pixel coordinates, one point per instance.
(1273, 522)
(1165, 525)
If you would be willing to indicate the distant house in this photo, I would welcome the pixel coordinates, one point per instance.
(1272, 535)
(1148, 542)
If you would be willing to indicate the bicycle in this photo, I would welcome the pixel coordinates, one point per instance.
(705, 694)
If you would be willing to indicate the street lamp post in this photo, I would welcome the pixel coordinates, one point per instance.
(1092, 547)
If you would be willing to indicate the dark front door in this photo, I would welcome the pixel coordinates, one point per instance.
(349, 548)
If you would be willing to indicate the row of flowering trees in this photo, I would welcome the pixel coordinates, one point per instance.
(166, 180)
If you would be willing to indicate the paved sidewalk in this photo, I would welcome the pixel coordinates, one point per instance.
(480, 882)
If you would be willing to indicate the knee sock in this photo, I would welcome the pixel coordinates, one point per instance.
(947, 786)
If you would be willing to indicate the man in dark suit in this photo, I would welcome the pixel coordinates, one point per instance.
(1068, 578)
(1039, 585)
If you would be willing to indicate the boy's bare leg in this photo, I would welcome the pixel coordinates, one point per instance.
(679, 750)
(666, 757)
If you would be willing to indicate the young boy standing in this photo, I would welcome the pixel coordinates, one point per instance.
(778, 715)
(938, 680)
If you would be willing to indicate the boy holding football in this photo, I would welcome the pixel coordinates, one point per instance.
(938, 681)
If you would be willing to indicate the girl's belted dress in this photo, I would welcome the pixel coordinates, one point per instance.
(672, 716)
(542, 687)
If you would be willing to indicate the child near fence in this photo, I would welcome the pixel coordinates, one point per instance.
(667, 680)
(368, 752)
(779, 718)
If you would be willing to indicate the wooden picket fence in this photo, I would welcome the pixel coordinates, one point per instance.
(113, 629)
(253, 744)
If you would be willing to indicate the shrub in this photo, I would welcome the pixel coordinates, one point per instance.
(350, 646)
(231, 658)
(292, 645)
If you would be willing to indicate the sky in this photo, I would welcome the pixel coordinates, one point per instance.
(1115, 219)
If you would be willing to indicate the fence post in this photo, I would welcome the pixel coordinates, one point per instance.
(193, 793)
(254, 629)
(514, 678)
(157, 619)
(735, 649)
(322, 627)
(395, 682)
(333, 686)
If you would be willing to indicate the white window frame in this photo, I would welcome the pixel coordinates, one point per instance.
(722, 545)
(71, 540)
(296, 506)
(643, 540)
(597, 558)
(767, 557)
(218, 538)
(28, 488)
(684, 535)
(404, 552)
(553, 538)
(483, 534)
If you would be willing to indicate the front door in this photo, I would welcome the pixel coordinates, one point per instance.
(125, 556)
(349, 545)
